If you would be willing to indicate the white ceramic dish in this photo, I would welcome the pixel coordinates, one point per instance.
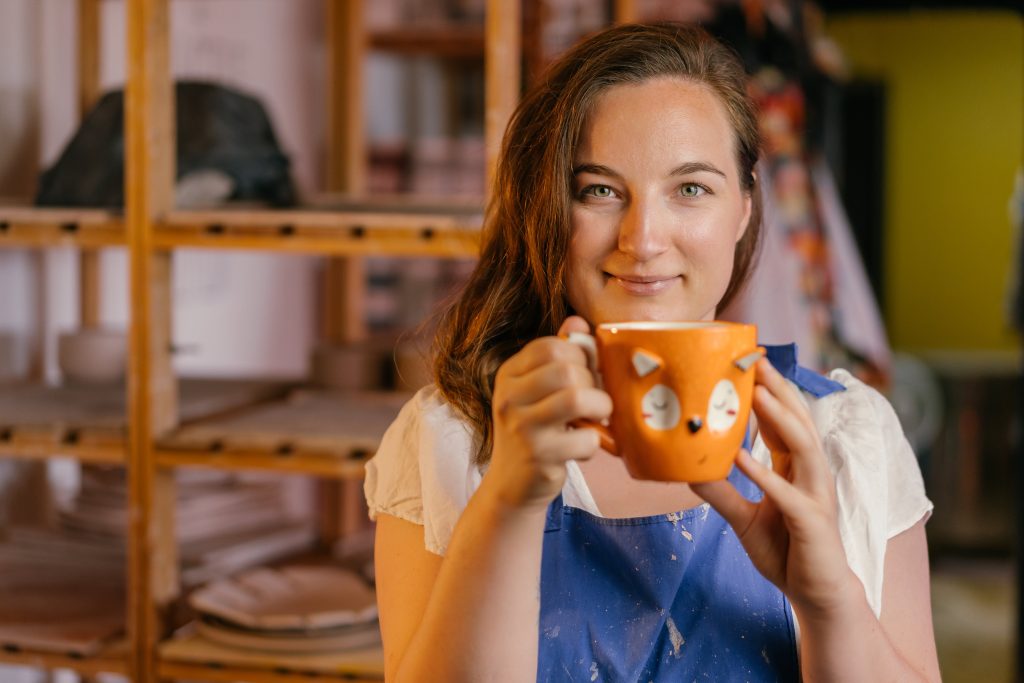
(301, 643)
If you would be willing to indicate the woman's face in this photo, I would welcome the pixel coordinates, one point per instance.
(658, 207)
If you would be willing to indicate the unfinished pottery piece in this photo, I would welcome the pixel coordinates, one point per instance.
(92, 356)
(289, 598)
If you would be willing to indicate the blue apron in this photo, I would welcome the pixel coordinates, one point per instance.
(667, 597)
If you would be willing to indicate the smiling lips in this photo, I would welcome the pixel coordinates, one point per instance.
(644, 285)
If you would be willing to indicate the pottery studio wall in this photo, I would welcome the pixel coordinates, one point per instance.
(235, 313)
(954, 139)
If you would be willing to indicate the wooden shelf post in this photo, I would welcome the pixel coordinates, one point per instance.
(152, 400)
(344, 287)
(626, 12)
(502, 77)
(89, 35)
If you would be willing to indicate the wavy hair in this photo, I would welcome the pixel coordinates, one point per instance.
(517, 291)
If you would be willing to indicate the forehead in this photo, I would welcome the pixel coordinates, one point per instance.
(666, 116)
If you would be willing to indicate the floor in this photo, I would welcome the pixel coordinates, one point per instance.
(973, 605)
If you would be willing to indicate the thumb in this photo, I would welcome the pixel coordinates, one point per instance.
(573, 323)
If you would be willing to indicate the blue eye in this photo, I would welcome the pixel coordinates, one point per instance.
(598, 191)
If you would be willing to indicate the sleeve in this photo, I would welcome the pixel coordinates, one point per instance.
(878, 482)
(392, 482)
(423, 471)
(908, 502)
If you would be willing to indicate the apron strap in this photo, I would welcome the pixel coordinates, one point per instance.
(783, 357)
(554, 517)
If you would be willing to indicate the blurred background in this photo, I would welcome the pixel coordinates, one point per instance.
(894, 146)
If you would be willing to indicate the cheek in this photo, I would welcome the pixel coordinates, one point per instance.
(712, 245)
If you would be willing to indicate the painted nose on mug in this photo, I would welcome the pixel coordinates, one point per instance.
(681, 395)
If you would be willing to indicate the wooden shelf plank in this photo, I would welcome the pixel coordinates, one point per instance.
(320, 432)
(113, 659)
(27, 226)
(452, 41)
(392, 232)
(193, 657)
(324, 465)
(89, 422)
(85, 446)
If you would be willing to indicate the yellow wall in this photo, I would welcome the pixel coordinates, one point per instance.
(954, 142)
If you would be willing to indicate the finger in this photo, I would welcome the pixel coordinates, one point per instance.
(787, 498)
(728, 502)
(773, 380)
(540, 352)
(575, 444)
(784, 431)
(573, 323)
(543, 381)
(567, 405)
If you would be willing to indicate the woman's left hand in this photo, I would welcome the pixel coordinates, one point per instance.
(792, 534)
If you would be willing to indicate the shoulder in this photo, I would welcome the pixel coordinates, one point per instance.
(424, 416)
(423, 471)
(858, 413)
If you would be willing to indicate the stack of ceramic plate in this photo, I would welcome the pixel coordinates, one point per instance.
(223, 523)
(298, 609)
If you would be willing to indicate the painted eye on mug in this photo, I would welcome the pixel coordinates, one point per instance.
(723, 407)
(660, 408)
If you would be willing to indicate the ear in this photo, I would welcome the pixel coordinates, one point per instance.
(645, 362)
(747, 361)
(748, 209)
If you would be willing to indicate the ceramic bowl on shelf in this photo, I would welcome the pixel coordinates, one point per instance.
(92, 355)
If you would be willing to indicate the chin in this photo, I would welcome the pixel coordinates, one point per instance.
(644, 313)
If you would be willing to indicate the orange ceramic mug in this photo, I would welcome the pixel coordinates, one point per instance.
(681, 394)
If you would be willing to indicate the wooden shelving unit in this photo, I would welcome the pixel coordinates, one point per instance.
(158, 434)
(449, 42)
(337, 233)
(22, 226)
(111, 660)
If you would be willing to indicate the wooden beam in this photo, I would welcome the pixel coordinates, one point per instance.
(89, 35)
(89, 286)
(626, 12)
(344, 316)
(37, 355)
(501, 75)
(152, 400)
(346, 126)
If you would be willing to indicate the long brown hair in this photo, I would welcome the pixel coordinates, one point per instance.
(517, 291)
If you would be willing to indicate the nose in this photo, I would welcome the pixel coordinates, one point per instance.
(643, 232)
(694, 423)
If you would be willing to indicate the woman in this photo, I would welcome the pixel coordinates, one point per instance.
(511, 548)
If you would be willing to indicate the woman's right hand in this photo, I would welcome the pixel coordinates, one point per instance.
(537, 393)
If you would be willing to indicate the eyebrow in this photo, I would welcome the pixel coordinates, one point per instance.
(682, 169)
(696, 167)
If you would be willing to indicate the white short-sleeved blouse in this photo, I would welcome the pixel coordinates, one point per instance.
(423, 472)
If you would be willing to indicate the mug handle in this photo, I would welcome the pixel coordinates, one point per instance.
(588, 343)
